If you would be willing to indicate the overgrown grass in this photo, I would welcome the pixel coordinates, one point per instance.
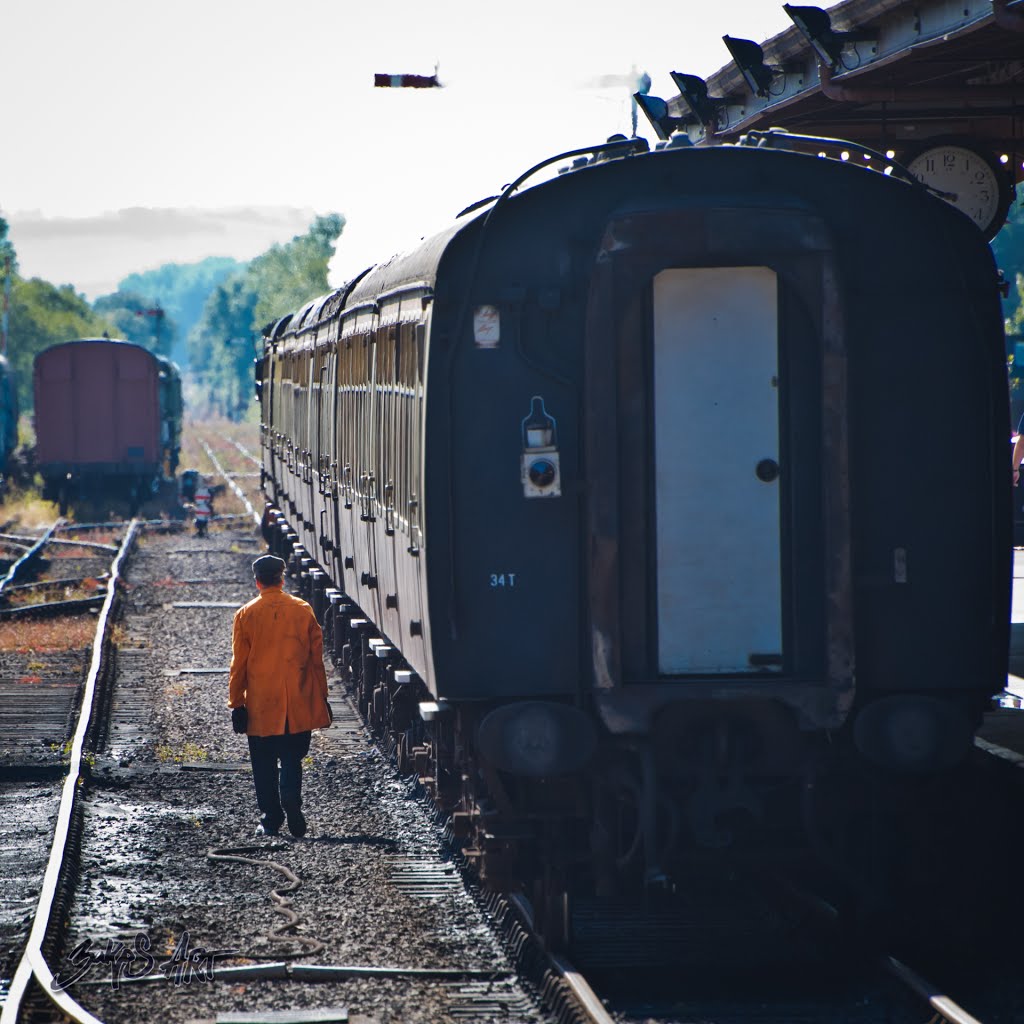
(46, 595)
(47, 636)
(64, 749)
(26, 507)
(188, 751)
(66, 551)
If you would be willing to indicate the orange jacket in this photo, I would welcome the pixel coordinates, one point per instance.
(277, 665)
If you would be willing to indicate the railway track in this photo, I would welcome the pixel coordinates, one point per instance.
(230, 478)
(220, 457)
(45, 635)
(67, 573)
(167, 848)
(33, 964)
(803, 962)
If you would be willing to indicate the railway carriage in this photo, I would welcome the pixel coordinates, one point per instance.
(623, 485)
(107, 419)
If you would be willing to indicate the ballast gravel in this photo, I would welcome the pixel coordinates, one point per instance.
(172, 783)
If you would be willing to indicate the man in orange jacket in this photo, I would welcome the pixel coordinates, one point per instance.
(277, 692)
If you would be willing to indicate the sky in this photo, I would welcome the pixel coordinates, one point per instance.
(135, 134)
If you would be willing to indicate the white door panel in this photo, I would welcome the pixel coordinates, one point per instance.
(716, 418)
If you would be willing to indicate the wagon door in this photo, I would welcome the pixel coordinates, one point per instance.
(716, 453)
(384, 518)
(331, 456)
(716, 466)
(269, 419)
(346, 410)
(367, 490)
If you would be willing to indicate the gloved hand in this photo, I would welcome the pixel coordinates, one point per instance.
(239, 719)
(330, 711)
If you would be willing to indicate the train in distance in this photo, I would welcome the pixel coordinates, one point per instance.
(108, 419)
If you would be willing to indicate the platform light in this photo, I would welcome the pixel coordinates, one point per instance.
(816, 25)
(749, 58)
(656, 111)
(693, 91)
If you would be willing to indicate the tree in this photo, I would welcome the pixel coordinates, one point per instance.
(42, 315)
(222, 346)
(288, 276)
(138, 319)
(6, 250)
(8, 269)
(181, 290)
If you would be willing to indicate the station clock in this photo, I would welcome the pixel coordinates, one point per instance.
(972, 178)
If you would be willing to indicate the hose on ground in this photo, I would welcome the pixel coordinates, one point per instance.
(282, 904)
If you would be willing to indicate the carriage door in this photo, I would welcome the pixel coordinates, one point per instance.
(716, 433)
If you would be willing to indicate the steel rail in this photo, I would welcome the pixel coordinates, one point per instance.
(27, 542)
(67, 581)
(584, 995)
(829, 917)
(44, 608)
(28, 556)
(219, 469)
(245, 451)
(280, 970)
(942, 1005)
(84, 544)
(67, 526)
(584, 998)
(945, 1007)
(1010, 757)
(33, 962)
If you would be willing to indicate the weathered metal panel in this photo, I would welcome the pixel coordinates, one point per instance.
(97, 403)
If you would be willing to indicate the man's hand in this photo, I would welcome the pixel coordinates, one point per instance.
(239, 719)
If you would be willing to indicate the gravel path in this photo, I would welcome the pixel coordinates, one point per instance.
(376, 888)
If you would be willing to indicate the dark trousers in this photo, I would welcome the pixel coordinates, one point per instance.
(275, 791)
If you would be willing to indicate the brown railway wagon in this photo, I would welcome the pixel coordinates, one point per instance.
(107, 413)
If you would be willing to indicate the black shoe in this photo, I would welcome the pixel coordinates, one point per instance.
(264, 829)
(296, 821)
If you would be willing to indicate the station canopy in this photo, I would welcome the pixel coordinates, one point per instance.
(935, 84)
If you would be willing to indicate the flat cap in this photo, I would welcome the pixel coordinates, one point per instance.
(268, 567)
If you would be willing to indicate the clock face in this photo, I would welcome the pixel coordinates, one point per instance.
(974, 183)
